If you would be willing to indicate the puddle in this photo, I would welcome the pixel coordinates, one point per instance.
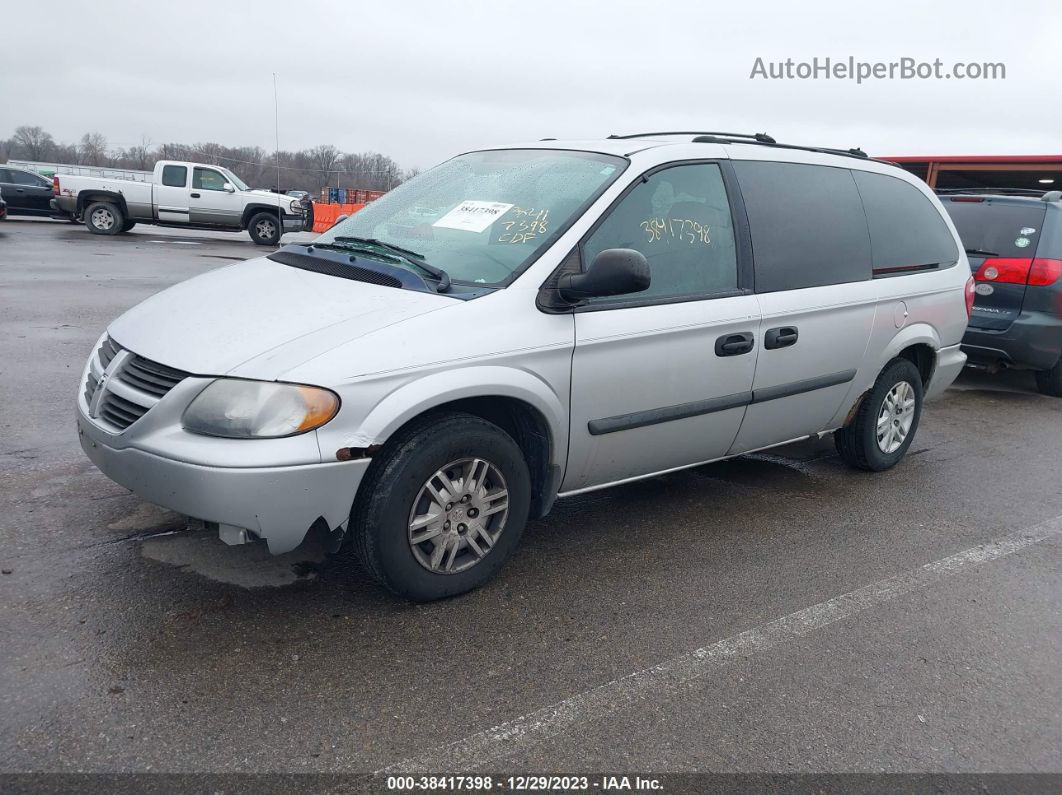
(199, 550)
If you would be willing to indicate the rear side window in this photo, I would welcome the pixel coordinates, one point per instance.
(1005, 230)
(906, 230)
(807, 223)
(175, 176)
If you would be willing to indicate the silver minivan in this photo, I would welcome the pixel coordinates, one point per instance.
(525, 323)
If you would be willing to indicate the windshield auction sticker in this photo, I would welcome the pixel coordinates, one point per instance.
(473, 216)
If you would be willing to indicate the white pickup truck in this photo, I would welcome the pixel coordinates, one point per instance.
(176, 193)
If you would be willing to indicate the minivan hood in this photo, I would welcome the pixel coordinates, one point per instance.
(260, 317)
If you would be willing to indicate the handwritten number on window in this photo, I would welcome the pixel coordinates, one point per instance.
(676, 230)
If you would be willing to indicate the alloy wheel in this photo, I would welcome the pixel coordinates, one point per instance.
(458, 515)
(102, 219)
(895, 417)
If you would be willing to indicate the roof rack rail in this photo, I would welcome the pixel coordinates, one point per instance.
(1030, 192)
(762, 138)
(853, 152)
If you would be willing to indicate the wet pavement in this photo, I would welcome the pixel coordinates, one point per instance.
(134, 640)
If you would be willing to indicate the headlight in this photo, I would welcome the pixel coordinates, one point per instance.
(240, 409)
(294, 206)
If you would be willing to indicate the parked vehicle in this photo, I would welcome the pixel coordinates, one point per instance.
(1014, 243)
(3, 206)
(527, 323)
(182, 194)
(25, 192)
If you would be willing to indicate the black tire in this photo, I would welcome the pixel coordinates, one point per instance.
(128, 225)
(857, 443)
(1049, 382)
(104, 218)
(264, 229)
(380, 519)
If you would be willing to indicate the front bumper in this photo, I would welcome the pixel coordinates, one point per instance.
(293, 223)
(950, 361)
(277, 503)
(1033, 341)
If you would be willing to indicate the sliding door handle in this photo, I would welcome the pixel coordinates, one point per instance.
(734, 344)
(781, 337)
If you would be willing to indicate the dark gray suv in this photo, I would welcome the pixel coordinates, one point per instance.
(1014, 244)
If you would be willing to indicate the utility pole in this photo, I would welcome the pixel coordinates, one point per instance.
(276, 127)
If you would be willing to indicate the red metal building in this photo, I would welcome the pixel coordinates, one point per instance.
(1035, 172)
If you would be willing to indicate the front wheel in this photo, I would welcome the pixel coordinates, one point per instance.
(886, 422)
(442, 507)
(104, 218)
(128, 225)
(1049, 382)
(264, 229)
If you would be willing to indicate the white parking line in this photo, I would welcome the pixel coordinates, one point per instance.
(525, 731)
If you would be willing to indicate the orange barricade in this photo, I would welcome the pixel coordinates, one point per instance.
(325, 215)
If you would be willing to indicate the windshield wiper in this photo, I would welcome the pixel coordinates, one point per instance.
(404, 253)
(981, 252)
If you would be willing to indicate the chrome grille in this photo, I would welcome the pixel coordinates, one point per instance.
(151, 377)
(133, 386)
(120, 412)
(108, 349)
(104, 356)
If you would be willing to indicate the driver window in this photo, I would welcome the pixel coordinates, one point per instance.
(25, 178)
(679, 218)
(207, 179)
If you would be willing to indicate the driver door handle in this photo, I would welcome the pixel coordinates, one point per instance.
(195, 195)
(734, 344)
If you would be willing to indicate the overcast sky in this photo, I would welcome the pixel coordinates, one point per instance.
(421, 81)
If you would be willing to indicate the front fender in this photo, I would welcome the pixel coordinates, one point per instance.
(416, 397)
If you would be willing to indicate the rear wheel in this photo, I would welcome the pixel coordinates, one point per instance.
(104, 218)
(264, 229)
(886, 421)
(442, 507)
(1049, 382)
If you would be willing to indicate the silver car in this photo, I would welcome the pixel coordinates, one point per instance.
(525, 323)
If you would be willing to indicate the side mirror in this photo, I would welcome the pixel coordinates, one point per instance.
(229, 187)
(614, 271)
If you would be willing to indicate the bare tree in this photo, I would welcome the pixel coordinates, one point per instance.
(33, 143)
(325, 158)
(140, 156)
(94, 149)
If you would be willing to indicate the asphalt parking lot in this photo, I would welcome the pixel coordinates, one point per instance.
(777, 612)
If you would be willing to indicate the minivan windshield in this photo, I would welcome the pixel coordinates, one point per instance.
(481, 217)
